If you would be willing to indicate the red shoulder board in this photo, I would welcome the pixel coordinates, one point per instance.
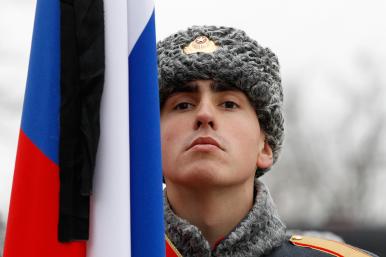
(171, 250)
(328, 246)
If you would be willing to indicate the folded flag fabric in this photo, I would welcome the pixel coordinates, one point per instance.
(81, 85)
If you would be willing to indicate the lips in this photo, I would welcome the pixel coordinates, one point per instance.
(205, 141)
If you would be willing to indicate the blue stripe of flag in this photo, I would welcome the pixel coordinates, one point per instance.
(147, 228)
(40, 119)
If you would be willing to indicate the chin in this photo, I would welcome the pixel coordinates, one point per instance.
(204, 177)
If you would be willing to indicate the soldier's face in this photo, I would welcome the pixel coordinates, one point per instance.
(211, 136)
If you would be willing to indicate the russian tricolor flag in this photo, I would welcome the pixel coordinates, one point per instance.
(126, 204)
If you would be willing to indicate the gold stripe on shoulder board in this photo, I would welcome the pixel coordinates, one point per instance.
(332, 247)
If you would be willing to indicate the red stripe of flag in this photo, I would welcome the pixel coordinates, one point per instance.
(33, 217)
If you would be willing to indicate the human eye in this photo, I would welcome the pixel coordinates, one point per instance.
(183, 106)
(230, 105)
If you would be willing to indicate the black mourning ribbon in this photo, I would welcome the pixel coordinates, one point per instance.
(82, 78)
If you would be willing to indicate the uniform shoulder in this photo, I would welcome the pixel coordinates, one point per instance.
(331, 247)
(305, 246)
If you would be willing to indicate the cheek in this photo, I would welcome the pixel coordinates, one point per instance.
(170, 139)
(248, 147)
(169, 133)
(247, 131)
(166, 155)
(173, 130)
(165, 140)
(248, 138)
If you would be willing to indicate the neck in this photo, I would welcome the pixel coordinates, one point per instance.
(214, 210)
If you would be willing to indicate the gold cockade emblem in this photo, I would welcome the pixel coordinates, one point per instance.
(200, 44)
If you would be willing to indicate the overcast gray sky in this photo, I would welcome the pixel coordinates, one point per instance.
(310, 37)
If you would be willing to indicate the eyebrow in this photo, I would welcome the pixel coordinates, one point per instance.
(215, 86)
(219, 86)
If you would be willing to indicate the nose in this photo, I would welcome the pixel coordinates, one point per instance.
(205, 116)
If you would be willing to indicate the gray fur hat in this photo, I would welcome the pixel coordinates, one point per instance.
(229, 55)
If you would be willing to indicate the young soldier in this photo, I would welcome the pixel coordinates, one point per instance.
(221, 129)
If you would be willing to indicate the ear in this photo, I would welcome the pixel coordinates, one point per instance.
(265, 156)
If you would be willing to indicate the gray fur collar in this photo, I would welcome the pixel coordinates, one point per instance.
(257, 234)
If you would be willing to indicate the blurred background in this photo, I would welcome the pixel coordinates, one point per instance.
(331, 175)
